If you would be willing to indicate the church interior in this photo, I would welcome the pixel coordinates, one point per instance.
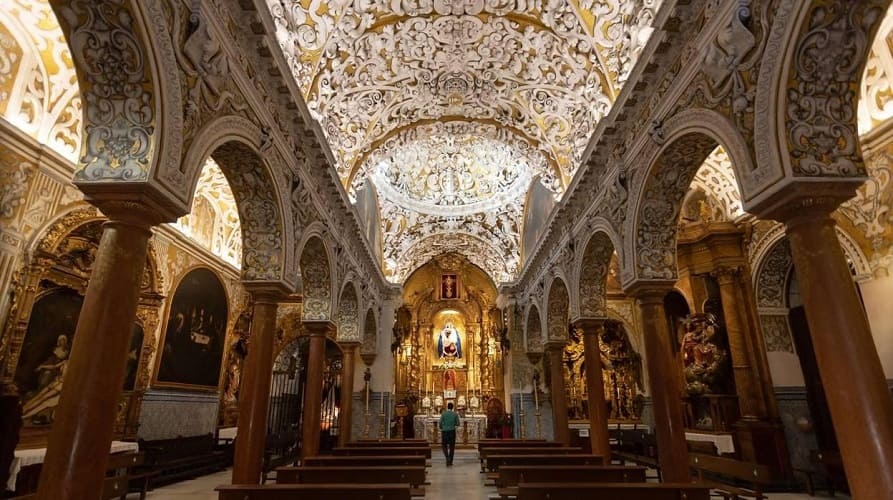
(642, 249)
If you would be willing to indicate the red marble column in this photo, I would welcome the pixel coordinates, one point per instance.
(347, 375)
(666, 391)
(595, 386)
(254, 393)
(82, 432)
(555, 351)
(858, 396)
(316, 361)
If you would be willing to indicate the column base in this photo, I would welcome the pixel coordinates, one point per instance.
(763, 442)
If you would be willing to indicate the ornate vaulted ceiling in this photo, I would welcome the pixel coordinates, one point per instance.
(453, 108)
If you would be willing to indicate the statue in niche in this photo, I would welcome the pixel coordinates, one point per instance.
(702, 355)
(449, 380)
(449, 345)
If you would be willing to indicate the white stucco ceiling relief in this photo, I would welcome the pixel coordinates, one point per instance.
(453, 108)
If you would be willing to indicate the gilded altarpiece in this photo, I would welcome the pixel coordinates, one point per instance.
(448, 342)
(37, 337)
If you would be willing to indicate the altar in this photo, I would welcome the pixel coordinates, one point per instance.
(471, 428)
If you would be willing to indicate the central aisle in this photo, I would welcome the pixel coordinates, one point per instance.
(462, 481)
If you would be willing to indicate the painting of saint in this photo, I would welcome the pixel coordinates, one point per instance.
(449, 345)
(196, 331)
(45, 353)
(133, 356)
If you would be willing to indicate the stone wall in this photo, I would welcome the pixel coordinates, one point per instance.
(170, 413)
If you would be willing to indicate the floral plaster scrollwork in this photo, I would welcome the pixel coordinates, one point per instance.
(15, 172)
(820, 117)
(478, 251)
(116, 85)
(259, 212)
(368, 349)
(776, 333)
(594, 276)
(534, 331)
(558, 310)
(717, 178)
(668, 181)
(348, 315)
(772, 276)
(38, 85)
(316, 281)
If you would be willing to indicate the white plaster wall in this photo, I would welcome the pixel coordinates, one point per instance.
(877, 295)
(785, 369)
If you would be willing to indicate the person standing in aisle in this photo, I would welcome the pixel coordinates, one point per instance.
(449, 422)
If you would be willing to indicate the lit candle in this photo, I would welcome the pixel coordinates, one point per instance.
(536, 398)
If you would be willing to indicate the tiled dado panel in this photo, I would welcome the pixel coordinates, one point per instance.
(168, 413)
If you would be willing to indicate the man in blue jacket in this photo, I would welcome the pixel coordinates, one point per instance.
(449, 421)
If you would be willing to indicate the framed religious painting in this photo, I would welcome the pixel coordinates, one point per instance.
(449, 286)
(195, 333)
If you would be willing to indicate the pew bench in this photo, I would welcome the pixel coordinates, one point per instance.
(536, 446)
(518, 450)
(313, 492)
(363, 461)
(495, 462)
(830, 468)
(612, 491)
(387, 450)
(511, 475)
(387, 442)
(414, 476)
(756, 476)
(172, 460)
(636, 446)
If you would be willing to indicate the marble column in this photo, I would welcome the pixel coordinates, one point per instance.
(743, 373)
(666, 389)
(555, 351)
(254, 392)
(347, 375)
(81, 434)
(595, 386)
(316, 362)
(858, 396)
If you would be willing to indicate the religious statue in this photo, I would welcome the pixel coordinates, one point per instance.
(703, 355)
(449, 345)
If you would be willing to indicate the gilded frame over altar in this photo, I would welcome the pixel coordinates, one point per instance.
(449, 286)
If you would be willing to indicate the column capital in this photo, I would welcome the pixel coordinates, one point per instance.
(801, 199)
(590, 325)
(266, 292)
(726, 274)
(136, 204)
(323, 328)
(350, 345)
(649, 292)
(554, 345)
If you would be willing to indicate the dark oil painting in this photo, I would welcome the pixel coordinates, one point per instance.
(196, 331)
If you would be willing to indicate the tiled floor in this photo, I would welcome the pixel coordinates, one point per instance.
(462, 481)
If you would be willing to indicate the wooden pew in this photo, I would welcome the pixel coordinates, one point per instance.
(510, 475)
(388, 442)
(485, 451)
(637, 446)
(414, 476)
(390, 460)
(387, 450)
(494, 462)
(612, 491)
(756, 475)
(314, 491)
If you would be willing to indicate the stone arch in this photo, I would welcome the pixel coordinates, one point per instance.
(690, 138)
(558, 310)
(533, 330)
(594, 266)
(123, 56)
(234, 143)
(348, 314)
(806, 92)
(316, 280)
(369, 346)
